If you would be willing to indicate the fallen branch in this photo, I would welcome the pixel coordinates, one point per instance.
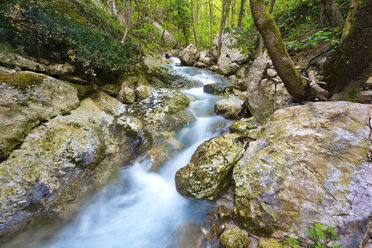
(314, 83)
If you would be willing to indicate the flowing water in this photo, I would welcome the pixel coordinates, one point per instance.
(142, 208)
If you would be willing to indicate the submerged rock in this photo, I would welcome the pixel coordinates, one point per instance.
(312, 163)
(229, 108)
(233, 237)
(26, 99)
(209, 171)
(219, 88)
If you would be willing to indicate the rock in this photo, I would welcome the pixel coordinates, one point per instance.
(26, 99)
(219, 88)
(189, 55)
(110, 89)
(163, 110)
(158, 75)
(205, 59)
(142, 92)
(243, 125)
(269, 243)
(229, 108)
(214, 68)
(364, 96)
(242, 72)
(312, 163)
(127, 95)
(369, 83)
(233, 237)
(208, 173)
(231, 58)
(224, 214)
(14, 60)
(200, 64)
(53, 166)
(263, 95)
(74, 79)
(271, 73)
(60, 69)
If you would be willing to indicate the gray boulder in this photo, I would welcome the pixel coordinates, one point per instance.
(229, 107)
(189, 55)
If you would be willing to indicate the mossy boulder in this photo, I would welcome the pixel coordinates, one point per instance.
(60, 159)
(312, 163)
(28, 99)
(233, 237)
(163, 110)
(244, 125)
(209, 171)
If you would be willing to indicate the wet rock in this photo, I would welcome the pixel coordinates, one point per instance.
(200, 64)
(54, 164)
(269, 243)
(312, 163)
(60, 69)
(26, 99)
(126, 95)
(219, 88)
(209, 171)
(229, 108)
(224, 214)
(233, 237)
(189, 55)
(263, 95)
(205, 59)
(163, 110)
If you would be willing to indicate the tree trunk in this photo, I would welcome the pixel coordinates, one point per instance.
(233, 13)
(193, 23)
(333, 13)
(353, 59)
(241, 12)
(350, 19)
(227, 12)
(221, 30)
(125, 36)
(211, 24)
(260, 40)
(282, 62)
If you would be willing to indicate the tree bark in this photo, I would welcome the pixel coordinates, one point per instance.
(193, 24)
(265, 23)
(241, 12)
(227, 12)
(333, 13)
(221, 30)
(260, 41)
(128, 11)
(350, 19)
(211, 24)
(353, 59)
(233, 13)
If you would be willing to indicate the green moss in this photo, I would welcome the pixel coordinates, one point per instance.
(22, 79)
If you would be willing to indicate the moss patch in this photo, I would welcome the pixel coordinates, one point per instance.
(21, 80)
(83, 91)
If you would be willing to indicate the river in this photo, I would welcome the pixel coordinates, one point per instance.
(140, 208)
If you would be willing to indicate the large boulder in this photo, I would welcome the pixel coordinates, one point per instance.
(229, 107)
(266, 92)
(54, 164)
(209, 171)
(311, 164)
(163, 110)
(231, 58)
(26, 99)
(189, 55)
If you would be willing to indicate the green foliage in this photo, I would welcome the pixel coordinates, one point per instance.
(319, 236)
(329, 36)
(44, 30)
(180, 16)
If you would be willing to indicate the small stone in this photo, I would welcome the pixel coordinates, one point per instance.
(271, 73)
(127, 95)
(233, 237)
(142, 92)
(224, 214)
(269, 243)
(243, 125)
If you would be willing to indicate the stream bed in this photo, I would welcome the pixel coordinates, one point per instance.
(141, 208)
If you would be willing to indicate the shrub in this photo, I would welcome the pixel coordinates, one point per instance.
(45, 31)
